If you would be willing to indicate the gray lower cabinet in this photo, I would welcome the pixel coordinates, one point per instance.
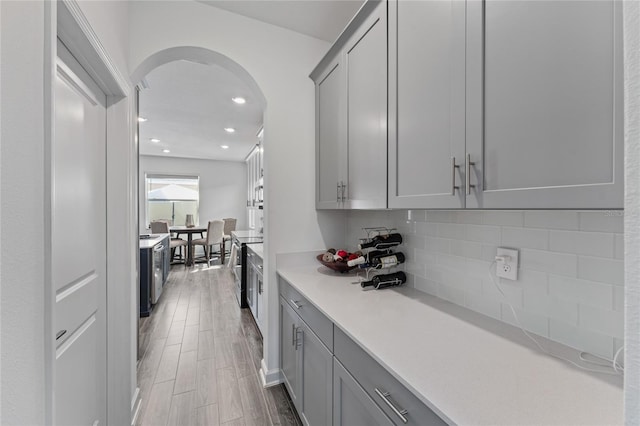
(307, 368)
(351, 404)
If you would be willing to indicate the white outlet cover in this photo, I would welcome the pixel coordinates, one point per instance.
(509, 269)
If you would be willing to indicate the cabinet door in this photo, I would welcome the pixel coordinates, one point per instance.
(351, 404)
(545, 104)
(317, 378)
(426, 104)
(366, 65)
(289, 352)
(329, 137)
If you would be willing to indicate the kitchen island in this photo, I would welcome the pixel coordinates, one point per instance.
(465, 367)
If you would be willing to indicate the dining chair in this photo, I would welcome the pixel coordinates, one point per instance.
(215, 235)
(229, 225)
(162, 227)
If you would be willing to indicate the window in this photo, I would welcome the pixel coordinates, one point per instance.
(172, 198)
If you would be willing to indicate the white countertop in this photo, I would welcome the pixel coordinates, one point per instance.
(148, 243)
(257, 248)
(468, 368)
(247, 233)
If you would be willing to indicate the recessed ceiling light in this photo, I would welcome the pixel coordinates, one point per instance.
(224, 146)
(142, 119)
(166, 151)
(229, 129)
(239, 100)
(154, 140)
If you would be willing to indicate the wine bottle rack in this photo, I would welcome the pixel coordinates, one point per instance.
(369, 271)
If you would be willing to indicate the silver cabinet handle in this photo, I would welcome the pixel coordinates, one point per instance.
(453, 176)
(60, 333)
(344, 186)
(295, 303)
(399, 412)
(338, 192)
(293, 334)
(299, 340)
(468, 183)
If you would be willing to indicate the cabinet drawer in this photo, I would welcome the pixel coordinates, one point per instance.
(315, 319)
(374, 378)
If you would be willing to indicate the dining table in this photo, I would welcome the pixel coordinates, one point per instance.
(181, 229)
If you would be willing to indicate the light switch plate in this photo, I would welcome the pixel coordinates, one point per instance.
(507, 268)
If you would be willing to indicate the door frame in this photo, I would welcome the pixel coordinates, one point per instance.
(65, 19)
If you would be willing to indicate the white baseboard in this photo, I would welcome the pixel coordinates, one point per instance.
(269, 377)
(135, 406)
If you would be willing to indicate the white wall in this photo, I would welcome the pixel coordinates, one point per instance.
(22, 213)
(279, 60)
(223, 185)
(632, 212)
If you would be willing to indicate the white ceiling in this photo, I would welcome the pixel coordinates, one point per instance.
(188, 105)
(323, 19)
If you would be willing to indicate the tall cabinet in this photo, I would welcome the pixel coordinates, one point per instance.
(351, 115)
(505, 104)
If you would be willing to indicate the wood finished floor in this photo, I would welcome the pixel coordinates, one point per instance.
(200, 356)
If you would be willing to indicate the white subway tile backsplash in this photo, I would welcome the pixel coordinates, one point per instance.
(483, 233)
(535, 323)
(551, 219)
(504, 218)
(618, 246)
(595, 343)
(585, 292)
(485, 305)
(618, 298)
(602, 270)
(555, 263)
(455, 231)
(570, 284)
(602, 221)
(525, 238)
(610, 323)
(587, 243)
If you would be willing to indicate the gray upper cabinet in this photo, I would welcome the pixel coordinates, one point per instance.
(426, 104)
(366, 68)
(545, 104)
(351, 115)
(330, 140)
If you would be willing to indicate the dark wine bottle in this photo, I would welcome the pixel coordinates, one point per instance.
(382, 241)
(387, 260)
(385, 280)
(361, 260)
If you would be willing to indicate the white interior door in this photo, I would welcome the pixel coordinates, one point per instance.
(79, 245)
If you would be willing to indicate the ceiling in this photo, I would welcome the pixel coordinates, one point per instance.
(188, 105)
(323, 19)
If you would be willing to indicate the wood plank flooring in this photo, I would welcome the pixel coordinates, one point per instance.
(200, 355)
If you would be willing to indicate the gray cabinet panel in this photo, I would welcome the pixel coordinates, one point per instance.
(317, 373)
(288, 352)
(426, 103)
(545, 104)
(309, 313)
(371, 376)
(366, 64)
(351, 405)
(329, 137)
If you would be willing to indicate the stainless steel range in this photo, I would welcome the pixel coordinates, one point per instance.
(240, 240)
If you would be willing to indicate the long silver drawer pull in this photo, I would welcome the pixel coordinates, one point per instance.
(60, 333)
(469, 164)
(453, 176)
(399, 412)
(293, 334)
(295, 303)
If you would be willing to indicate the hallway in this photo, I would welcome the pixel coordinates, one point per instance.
(200, 355)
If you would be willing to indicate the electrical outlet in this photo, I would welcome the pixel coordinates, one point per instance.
(507, 263)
